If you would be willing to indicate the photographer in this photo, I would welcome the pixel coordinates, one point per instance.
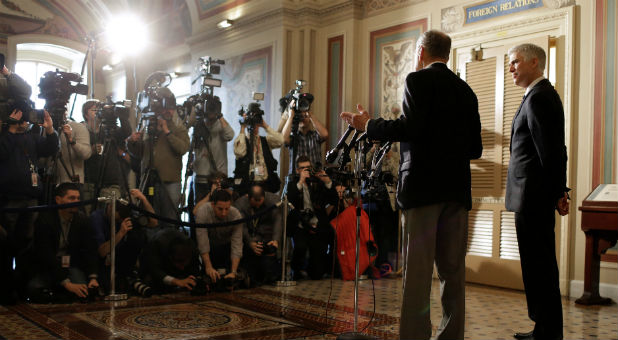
(111, 175)
(220, 247)
(308, 140)
(74, 150)
(130, 237)
(258, 165)
(64, 251)
(314, 197)
(170, 262)
(19, 179)
(211, 134)
(260, 236)
(161, 149)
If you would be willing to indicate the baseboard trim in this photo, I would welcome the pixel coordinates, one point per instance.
(605, 290)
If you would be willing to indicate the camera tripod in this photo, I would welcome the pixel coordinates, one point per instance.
(156, 190)
(110, 151)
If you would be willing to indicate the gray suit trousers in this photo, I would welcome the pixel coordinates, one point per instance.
(439, 233)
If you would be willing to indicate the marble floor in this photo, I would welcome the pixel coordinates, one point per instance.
(310, 310)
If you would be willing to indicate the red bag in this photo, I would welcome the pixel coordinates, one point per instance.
(345, 230)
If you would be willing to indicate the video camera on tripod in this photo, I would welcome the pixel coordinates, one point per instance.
(109, 112)
(205, 103)
(56, 87)
(154, 100)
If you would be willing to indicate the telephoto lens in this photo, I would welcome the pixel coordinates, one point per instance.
(142, 289)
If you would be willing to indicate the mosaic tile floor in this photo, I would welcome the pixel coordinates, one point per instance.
(310, 310)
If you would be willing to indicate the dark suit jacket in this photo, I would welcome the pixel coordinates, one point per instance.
(537, 169)
(82, 247)
(439, 131)
(269, 225)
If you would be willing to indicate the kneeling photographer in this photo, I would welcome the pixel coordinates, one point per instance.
(130, 238)
(254, 159)
(63, 258)
(220, 247)
(261, 235)
(20, 149)
(314, 197)
(170, 262)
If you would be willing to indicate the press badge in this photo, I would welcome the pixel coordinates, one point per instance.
(66, 261)
(35, 178)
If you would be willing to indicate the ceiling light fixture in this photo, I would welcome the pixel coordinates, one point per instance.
(225, 23)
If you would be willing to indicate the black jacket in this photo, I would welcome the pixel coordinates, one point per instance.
(537, 168)
(440, 132)
(321, 197)
(241, 171)
(81, 245)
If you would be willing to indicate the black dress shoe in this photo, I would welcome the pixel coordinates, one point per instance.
(524, 336)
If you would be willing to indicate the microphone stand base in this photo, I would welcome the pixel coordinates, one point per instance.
(285, 283)
(355, 336)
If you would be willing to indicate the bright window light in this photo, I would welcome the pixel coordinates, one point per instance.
(126, 35)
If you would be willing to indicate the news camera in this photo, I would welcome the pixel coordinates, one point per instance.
(254, 114)
(302, 101)
(154, 100)
(56, 87)
(109, 112)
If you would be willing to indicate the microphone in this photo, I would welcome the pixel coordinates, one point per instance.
(331, 156)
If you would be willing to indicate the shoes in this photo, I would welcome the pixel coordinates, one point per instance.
(524, 335)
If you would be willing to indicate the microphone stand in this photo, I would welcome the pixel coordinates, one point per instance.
(358, 143)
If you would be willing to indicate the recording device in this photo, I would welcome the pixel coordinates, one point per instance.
(156, 97)
(56, 87)
(140, 288)
(333, 154)
(138, 220)
(109, 112)
(302, 100)
(254, 113)
(15, 95)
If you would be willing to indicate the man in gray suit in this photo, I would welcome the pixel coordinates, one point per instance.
(536, 186)
(440, 132)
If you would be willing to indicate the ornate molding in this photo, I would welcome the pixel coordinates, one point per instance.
(299, 14)
(495, 29)
(375, 7)
(452, 18)
(555, 4)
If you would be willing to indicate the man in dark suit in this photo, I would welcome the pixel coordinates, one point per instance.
(64, 253)
(439, 131)
(536, 186)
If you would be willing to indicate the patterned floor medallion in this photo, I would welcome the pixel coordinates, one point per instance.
(186, 321)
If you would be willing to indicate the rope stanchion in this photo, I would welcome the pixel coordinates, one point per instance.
(50, 207)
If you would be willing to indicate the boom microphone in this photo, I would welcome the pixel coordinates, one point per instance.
(331, 156)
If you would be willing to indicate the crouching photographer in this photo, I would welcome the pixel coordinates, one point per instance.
(20, 149)
(220, 247)
(170, 262)
(63, 257)
(260, 236)
(314, 197)
(254, 159)
(130, 239)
